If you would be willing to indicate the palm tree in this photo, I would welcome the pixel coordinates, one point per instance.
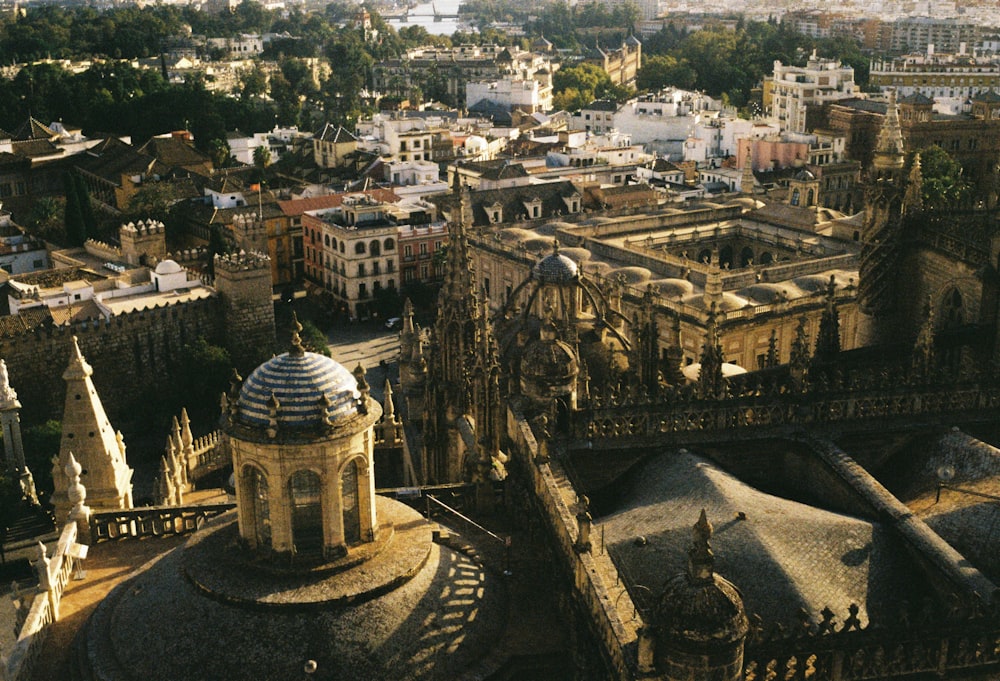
(262, 157)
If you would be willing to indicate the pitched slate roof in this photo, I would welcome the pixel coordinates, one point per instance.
(335, 134)
(512, 201)
(33, 129)
(173, 152)
(112, 158)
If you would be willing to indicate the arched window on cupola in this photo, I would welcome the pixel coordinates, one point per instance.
(256, 492)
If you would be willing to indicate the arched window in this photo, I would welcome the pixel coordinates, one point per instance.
(375, 248)
(359, 248)
(952, 314)
(811, 198)
(795, 197)
(341, 246)
(307, 515)
(746, 257)
(349, 500)
(766, 258)
(256, 493)
(726, 256)
(389, 244)
(333, 243)
(326, 240)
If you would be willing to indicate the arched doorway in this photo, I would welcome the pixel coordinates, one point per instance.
(256, 490)
(307, 512)
(350, 503)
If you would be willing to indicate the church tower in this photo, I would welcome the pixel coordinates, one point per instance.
(885, 207)
(88, 436)
(461, 409)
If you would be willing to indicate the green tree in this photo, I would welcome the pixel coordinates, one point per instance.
(253, 83)
(576, 86)
(943, 183)
(76, 228)
(221, 153)
(41, 445)
(202, 378)
(660, 71)
(262, 157)
(313, 339)
(86, 208)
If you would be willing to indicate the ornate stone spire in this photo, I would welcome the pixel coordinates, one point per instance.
(87, 434)
(923, 359)
(773, 358)
(828, 337)
(889, 147)
(798, 362)
(710, 379)
(913, 199)
(747, 180)
(701, 560)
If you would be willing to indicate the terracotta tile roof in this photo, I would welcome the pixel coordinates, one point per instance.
(300, 206)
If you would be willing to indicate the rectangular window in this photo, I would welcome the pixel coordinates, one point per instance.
(423, 249)
(389, 265)
(361, 269)
(5, 189)
(407, 250)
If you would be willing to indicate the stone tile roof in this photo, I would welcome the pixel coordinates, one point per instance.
(32, 148)
(27, 320)
(439, 622)
(512, 201)
(112, 158)
(173, 152)
(33, 129)
(784, 556)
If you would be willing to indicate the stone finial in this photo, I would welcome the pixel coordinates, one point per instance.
(388, 409)
(42, 567)
(7, 394)
(273, 405)
(296, 350)
(186, 437)
(78, 367)
(235, 383)
(363, 387)
(701, 559)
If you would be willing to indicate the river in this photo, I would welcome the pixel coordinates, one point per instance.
(423, 15)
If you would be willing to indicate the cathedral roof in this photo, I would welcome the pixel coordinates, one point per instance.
(782, 554)
(299, 383)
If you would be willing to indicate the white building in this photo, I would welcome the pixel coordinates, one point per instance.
(795, 87)
(511, 93)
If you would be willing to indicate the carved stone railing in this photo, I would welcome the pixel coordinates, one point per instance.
(53, 574)
(856, 654)
(744, 413)
(208, 454)
(153, 521)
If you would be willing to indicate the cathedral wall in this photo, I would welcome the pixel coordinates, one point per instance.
(926, 274)
(132, 354)
(594, 575)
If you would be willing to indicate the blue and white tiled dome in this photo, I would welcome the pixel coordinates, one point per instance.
(555, 268)
(298, 381)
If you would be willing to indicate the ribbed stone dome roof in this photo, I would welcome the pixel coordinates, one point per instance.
(552, 359)
(299, 381)
(555, 268)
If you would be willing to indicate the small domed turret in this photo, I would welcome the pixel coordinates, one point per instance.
(701, 623)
